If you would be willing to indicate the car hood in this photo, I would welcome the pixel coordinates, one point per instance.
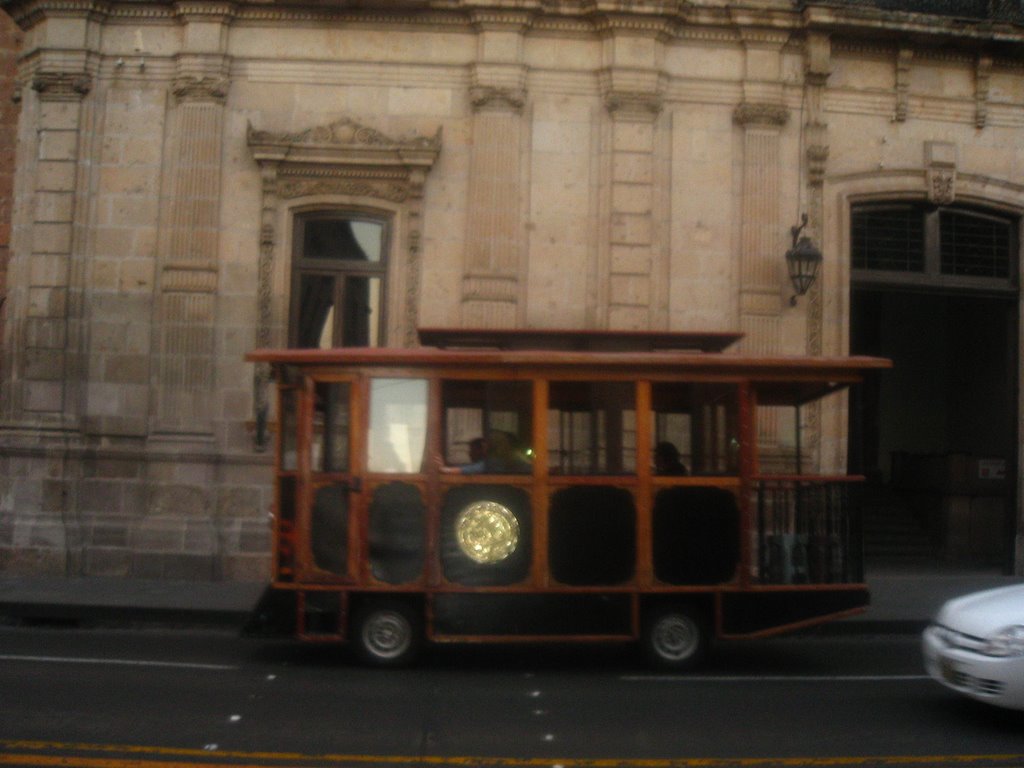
(982, 613)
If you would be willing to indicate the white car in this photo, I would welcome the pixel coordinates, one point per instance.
(975, 646)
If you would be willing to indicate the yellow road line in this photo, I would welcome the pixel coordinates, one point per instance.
(44, 754)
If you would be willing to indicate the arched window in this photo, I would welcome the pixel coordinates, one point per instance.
(925, 246)
(339, 266)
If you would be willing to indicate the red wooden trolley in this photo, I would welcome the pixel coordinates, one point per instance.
(553, 486)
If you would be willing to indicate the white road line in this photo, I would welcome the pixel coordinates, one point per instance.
(770, 678)
(117, 662)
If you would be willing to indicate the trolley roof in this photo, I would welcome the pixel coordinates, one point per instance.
(778, 380)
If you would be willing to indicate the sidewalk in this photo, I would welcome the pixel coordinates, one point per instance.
(903, 600)
(127, 601)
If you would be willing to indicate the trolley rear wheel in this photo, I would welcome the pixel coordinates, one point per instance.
(676, 637)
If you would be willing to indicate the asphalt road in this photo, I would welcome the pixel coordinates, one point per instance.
(159, 698)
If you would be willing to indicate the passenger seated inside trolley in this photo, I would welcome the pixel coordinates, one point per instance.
(499, 454)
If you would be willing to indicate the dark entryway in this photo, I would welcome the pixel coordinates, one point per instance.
(936, 435)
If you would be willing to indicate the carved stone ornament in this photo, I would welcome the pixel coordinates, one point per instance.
(633, 103)
(903, 63)
(942, 186)
(817, 161)
(982, 82)
(393, 191)
(344, 132)
(205, 88)
(485, 97)
(61, 85)
(754, 114)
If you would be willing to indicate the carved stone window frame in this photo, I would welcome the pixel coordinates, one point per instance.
(341, 166)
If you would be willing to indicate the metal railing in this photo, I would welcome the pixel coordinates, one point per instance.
(808, 531)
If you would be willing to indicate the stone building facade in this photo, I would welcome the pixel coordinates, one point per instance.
(526, 163)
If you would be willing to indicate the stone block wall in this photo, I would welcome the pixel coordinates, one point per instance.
(569, 168)
(114, 515)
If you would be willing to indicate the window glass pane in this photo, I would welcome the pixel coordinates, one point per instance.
(888, 238)
(398, 425)
(592, 428)
(973, 245)
(362, 307)
(369, 236)
(338, 239)
(487, 426)
(696, 429)
(329, 447)
(289, 458)
(316, 312)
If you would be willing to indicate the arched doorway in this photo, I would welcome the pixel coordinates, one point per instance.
(935, 288)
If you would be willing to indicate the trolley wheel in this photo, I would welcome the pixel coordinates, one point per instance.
(386, 634)
(676, 637)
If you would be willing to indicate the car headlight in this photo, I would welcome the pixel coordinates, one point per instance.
(1006, 642)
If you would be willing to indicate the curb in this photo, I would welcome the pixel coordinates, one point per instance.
(24, 613)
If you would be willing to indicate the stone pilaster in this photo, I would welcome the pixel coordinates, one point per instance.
(761, 115)
(817, 69)
(188, 259)
(632, 271)
(491, 283)
(816, 149)
(490, 286)
(51, 322)
(760, 253)
(632, 285)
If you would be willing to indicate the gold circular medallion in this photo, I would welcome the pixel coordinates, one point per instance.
(487, 532)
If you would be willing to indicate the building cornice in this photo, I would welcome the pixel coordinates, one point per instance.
(771, 20)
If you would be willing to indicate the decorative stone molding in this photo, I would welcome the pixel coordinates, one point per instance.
(767, 115)
(633, 104)
(61, 86)
(649, 25)
(501, 19)
(344, 143)
(196, 10)
(211, 88)
(484, 97)
(290, 188)
(814, 79)
(941, 161)
(942, 186)
(817, 161)
(982, 80)
(903, 62)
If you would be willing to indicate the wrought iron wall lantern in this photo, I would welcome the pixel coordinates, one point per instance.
(802, 261)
